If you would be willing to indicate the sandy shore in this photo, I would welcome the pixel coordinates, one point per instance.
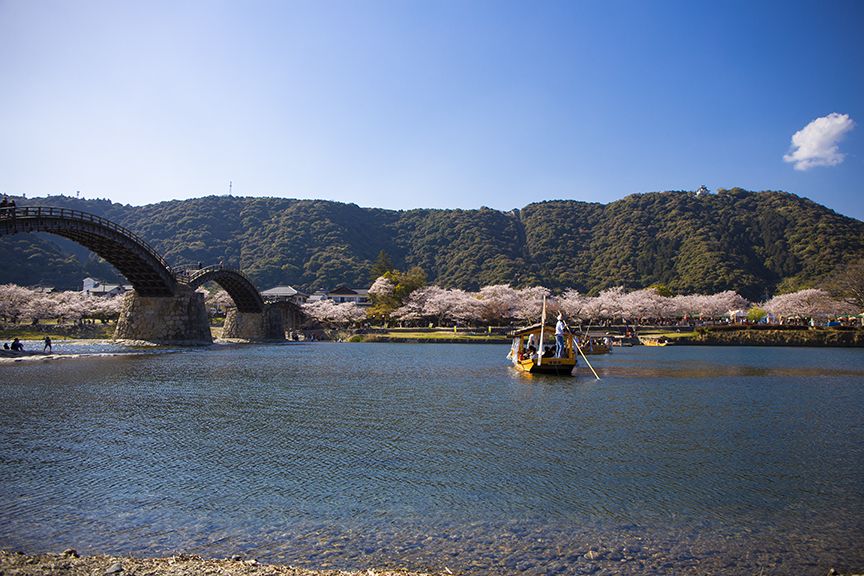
(69, 563)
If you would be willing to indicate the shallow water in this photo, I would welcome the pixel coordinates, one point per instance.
(685, 460)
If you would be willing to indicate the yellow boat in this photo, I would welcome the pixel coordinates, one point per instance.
(527, 356)
(593, 346)
(655, 341)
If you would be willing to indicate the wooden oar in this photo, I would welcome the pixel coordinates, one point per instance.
(573, 339)
(542, 326)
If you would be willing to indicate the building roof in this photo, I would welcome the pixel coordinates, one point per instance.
(318, 295)
(105, 288)
(282, 292)
(343, 290)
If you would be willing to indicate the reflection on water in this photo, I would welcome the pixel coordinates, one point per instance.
(685, 460)
(719, 371)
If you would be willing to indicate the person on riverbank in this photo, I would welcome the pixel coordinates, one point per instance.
(17, 346)
(47, 345)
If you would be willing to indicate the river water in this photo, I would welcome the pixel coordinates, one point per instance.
(685, 460)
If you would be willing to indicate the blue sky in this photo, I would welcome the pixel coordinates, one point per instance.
(435, 103)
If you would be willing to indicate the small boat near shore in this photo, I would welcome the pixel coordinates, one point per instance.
(662, 341)
(595, 346)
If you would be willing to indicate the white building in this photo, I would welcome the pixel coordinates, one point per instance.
(285, 294)
(342, 293)
(95, 287)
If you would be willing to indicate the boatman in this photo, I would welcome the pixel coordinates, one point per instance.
(559, 336)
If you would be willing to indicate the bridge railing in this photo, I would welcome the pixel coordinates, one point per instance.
(77, 215)
(190, 272)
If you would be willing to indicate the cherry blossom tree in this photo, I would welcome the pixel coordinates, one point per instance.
(13, 300)
(218, 300)
(809, 303)
(329, 313)
(608, 304)
(105, 308)
(499, 302)
(42, 306)
(529, 304)
(74, 306)
(440, 304)
(575, 305)
(708, 306)
(720, 304)
(382, 294)
(645, 303)
(383, 287)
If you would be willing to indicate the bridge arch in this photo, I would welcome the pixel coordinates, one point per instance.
(236, 284)
(142, 266)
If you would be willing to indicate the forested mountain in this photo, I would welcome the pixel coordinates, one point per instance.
(754, 242)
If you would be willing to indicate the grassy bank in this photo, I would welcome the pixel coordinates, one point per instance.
(97, 331)
(774, 336)
(431, 336)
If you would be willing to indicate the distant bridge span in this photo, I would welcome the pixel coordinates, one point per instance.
(164, 306)
(239, 287)
(145, 269)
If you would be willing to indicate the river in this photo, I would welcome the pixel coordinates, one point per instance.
(686, 460)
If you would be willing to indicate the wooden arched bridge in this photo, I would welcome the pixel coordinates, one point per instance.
(147, 271)
(246, 296)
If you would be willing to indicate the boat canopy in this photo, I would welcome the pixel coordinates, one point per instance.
(535, 329)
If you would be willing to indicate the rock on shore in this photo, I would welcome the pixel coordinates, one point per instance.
(69, 563)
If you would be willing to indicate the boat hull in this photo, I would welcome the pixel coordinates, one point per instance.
(551, 366)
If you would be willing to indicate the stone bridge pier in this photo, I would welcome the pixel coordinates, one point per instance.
(178, 319)
(266, 325)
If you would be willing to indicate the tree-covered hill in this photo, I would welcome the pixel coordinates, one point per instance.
(754, 242)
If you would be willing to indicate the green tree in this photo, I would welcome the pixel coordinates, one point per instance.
(392, 289)
(755, 314)
(382, 265)
(406, 282)
(661, 290)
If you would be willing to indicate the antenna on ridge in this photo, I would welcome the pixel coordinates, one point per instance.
(230, 187)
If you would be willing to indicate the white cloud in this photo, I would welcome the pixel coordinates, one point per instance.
(816, 143)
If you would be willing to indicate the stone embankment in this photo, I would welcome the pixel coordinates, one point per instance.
(69, 563)
(818, 337)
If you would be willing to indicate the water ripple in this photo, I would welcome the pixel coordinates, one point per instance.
(338, 455)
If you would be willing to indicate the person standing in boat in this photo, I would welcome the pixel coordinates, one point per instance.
(559, 336)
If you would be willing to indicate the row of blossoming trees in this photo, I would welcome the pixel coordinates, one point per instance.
(20, 304)
(503, 304)
(499, 304)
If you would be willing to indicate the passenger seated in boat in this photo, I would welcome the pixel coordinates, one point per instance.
(549, 352)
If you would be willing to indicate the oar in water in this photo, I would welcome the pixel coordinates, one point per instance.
(576, 343)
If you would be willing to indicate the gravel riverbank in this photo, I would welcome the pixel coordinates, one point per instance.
(69, 563)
